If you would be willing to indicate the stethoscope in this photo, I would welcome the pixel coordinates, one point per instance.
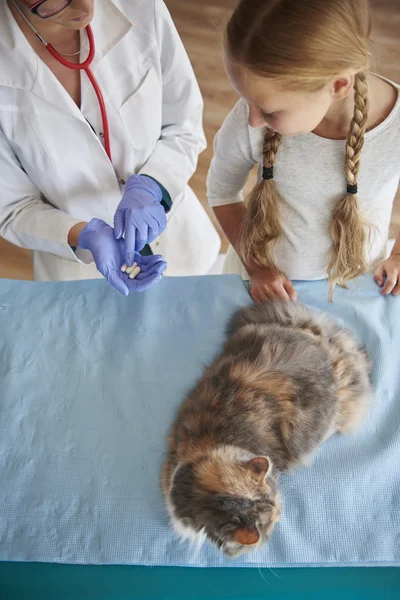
(84, 66)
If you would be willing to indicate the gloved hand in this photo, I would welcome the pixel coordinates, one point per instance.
(151, 269)
(108, 253)
(140, 215)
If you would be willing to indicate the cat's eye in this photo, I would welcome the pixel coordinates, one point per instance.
(236, 520)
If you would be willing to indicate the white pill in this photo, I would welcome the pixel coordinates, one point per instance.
(135, 272)
(126, 269)
(130, 269)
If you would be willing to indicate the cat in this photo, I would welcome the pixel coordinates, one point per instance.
(286, 380)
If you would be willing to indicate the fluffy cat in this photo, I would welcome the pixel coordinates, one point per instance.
(286, 380)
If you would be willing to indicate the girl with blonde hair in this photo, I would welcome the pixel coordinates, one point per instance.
(326, 135)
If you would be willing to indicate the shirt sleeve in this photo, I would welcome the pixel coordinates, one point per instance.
(174, 159)
(26, 219)
(233, 159)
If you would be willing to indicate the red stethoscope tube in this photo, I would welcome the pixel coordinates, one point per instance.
(85, 66)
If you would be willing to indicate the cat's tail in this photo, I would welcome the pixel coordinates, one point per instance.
(286, 314)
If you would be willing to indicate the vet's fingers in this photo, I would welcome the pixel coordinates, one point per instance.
(136, 285)
(115, 280)
(157, 268)
(289, 288)
(153, 230)
(146, 263)
(119, 224)
(142, 236)
(152, 235)
(379, 275)
(130, 243)
(391, 281)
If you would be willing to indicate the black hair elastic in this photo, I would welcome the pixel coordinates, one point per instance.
(352, 189)
(268, 173)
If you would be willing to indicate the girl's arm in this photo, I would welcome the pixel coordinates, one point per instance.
(237, 148)
(235, 154)
(230, 218)
(387, 275)
(396, 247)
(234, 158)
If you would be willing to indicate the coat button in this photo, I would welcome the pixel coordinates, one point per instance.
(101, 134)
(122, 181)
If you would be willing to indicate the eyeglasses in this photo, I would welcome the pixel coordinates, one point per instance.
(47, 8)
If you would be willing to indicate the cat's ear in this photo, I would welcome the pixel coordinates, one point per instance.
(259, 465)
(246, 537)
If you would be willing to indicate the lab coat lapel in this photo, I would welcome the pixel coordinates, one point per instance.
(25, 70)
(109, 26)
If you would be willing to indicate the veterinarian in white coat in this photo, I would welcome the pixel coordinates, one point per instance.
(54, 170)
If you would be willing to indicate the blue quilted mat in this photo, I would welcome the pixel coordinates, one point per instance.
(89, 385)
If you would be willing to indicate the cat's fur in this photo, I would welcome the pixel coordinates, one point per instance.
(286, 380)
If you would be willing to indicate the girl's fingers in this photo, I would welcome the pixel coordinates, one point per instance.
(268, 293)
(255, 296)
(280, 292)
(379, 275)
(290, 290)
(396, 290)
(391, 282)
(258, 295)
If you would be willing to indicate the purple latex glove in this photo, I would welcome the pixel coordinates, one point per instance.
(140, 215)
(108, 253)
(152, 268)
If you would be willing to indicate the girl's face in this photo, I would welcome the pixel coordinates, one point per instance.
(77, 15)
(285, 111)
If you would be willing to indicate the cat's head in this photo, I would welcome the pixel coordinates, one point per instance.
(228, 496)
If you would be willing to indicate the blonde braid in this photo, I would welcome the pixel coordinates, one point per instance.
(261, 226)
(349, 231)
(270, 147)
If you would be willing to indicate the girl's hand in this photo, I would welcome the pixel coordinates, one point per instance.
(267, 284)
(387, 276)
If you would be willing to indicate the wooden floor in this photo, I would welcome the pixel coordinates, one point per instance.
(200, 24)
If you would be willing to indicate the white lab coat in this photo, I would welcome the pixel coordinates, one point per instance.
(54, 171)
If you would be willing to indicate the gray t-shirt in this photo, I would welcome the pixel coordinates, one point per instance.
(309, 173)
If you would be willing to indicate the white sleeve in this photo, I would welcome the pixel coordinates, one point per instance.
(25, 218)
(232, 160)
(174, 159)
